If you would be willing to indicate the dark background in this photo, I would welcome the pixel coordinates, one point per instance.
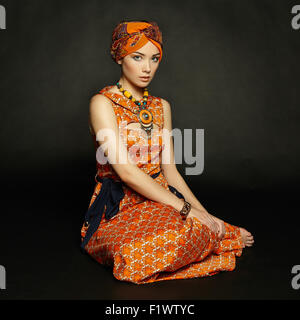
(229, 67)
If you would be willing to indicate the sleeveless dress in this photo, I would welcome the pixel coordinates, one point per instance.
(147, 241)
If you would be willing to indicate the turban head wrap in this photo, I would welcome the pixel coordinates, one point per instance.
(128, 37)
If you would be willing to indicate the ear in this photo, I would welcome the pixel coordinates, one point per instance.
(120, 61)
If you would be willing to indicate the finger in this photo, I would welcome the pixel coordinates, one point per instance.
(216, 227)
(213, 229)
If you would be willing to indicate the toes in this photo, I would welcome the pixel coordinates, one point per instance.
(246, 232)
(247, 237)
(249, 243)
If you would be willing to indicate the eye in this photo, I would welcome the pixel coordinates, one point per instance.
(134, 57)
(157, 59)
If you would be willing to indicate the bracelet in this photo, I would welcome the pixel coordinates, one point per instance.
(185, 210)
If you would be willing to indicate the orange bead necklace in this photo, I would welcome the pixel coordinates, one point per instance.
(144, 115)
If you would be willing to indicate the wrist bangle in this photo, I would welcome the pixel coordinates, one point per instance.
(185, 209)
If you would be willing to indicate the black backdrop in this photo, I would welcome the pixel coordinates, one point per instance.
(229, 67)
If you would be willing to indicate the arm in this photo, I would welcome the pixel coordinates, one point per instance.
(170, 171)
(102, 116)
(175, 179)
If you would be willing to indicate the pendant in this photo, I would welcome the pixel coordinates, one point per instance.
(146, 120)
(144, 115)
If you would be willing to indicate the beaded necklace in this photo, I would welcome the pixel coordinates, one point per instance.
(144, 115)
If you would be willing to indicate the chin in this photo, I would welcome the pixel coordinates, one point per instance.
(144, 83)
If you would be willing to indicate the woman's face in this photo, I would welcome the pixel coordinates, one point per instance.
(141, 63)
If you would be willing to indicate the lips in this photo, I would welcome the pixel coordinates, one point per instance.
(145, 78)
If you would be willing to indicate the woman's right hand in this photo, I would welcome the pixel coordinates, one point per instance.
(204, 218)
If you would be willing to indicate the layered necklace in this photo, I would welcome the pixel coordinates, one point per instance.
(144, 115)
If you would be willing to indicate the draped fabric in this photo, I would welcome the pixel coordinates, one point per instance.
(147, 241)
(128, 37)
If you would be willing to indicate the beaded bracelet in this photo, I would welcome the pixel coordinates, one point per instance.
(185, 210)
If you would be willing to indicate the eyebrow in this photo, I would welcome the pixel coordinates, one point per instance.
(143, 54)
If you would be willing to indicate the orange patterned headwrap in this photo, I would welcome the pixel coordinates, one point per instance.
(128, 37)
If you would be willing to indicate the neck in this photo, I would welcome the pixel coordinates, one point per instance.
(137, 92)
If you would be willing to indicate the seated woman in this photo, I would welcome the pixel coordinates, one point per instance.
(143, 219)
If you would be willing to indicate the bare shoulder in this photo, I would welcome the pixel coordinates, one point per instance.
(166, 106)
(100, 104)
(165, 103)
(102, 114)
(99, 99)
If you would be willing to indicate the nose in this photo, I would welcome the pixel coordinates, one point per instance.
(146, 67)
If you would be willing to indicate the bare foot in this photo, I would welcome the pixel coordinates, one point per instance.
(246, 237)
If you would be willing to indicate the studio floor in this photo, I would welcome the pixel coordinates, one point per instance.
(40, 237)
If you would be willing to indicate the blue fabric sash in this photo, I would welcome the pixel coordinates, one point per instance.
(110, 195)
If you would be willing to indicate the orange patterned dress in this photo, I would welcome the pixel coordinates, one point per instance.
(147, 241)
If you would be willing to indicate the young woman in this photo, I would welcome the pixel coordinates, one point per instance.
(143, 219)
